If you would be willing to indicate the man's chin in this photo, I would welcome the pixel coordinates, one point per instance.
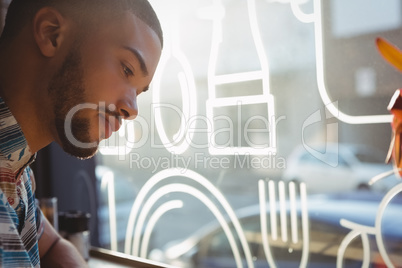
(82, 146)
(81, 153)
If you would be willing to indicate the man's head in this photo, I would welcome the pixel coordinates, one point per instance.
(87, 13)
(97, 57)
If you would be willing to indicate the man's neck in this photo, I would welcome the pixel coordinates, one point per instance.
(23, 88)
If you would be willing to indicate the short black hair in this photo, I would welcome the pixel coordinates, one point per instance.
(21, 12)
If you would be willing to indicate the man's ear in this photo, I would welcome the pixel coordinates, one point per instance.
(49, 28)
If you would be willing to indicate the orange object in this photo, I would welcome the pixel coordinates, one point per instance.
(395, 107)
(393, 55)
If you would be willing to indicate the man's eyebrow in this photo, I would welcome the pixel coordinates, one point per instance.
(139, 58)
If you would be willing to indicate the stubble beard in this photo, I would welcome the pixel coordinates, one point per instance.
(67, 90)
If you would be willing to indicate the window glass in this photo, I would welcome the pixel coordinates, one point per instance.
(257, 143)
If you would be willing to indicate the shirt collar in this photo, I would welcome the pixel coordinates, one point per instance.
(15, 154)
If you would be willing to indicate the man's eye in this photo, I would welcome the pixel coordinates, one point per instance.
(127, 71)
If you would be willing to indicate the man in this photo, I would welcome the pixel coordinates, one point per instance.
(69, 72)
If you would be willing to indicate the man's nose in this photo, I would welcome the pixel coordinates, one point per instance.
(128, 108)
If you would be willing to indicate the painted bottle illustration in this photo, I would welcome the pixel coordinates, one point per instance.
(238, 85)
